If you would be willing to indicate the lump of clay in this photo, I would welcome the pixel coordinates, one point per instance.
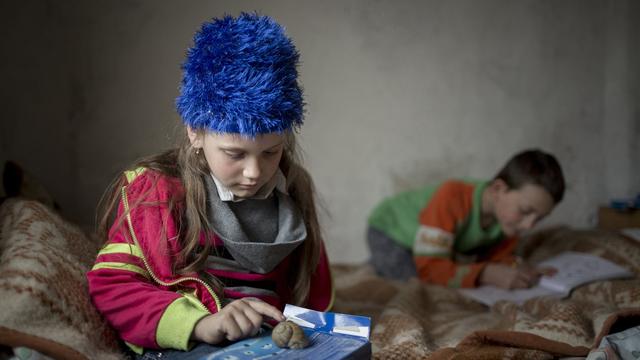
(288, 334)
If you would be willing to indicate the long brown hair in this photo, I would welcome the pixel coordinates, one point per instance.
(184, 163)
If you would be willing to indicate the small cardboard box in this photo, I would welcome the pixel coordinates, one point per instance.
(613, 219)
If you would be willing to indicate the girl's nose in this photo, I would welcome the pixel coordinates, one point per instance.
(251, 169)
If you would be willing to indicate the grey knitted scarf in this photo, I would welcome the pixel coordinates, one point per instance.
(258, 233)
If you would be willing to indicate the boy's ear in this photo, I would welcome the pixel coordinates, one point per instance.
(499, 185)
(194, 137)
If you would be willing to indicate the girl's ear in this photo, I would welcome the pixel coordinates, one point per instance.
(194, 137)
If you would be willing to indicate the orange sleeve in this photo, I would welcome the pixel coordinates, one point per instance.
(449, 206)
(503, 252)
(433, 247)
(446, 272)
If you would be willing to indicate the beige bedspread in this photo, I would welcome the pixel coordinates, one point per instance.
(45, 304)
(43, 259)
(414, 320)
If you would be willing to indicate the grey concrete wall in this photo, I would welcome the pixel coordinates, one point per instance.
(400, 93)
(619, 130)
(634, 66)
(37, 92)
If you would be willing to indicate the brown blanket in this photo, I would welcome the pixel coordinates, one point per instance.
(414, 320)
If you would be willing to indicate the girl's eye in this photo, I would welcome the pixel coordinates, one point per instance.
(234, 155)
(270, 153)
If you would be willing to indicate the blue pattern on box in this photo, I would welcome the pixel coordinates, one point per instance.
(331, 336)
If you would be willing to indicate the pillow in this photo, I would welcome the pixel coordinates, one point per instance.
(45, 301)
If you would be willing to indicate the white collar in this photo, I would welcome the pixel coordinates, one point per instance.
(277, 182)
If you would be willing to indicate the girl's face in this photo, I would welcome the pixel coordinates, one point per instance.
(242, 165)
(518, 210)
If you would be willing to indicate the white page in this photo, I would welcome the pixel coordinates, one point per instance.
(579, 268)
(573, 269)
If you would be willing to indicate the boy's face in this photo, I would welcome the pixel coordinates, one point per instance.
(242, 165)
(518, 210)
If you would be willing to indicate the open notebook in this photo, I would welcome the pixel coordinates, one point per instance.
(574, 269)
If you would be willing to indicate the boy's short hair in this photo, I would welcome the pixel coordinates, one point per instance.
(534, 167)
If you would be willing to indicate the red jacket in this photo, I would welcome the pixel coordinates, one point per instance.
(133, 284)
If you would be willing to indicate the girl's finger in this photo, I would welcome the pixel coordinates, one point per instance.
(232, 330)
(245, 324)
(265, 309)
(254, 317)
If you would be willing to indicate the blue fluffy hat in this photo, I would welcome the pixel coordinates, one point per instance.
(240, 76)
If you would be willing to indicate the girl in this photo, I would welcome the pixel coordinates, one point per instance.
(207, 241)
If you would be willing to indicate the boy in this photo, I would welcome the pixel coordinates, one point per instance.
(463, 233)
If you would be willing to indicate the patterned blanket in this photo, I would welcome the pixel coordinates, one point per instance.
(45, 304)
(43, 259)
(417, 321)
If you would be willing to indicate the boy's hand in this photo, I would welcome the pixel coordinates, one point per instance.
(239, 319)
(509, 277)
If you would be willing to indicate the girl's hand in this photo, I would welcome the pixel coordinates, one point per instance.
(509, 277)
(239, 319)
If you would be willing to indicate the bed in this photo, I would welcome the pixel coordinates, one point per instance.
(43, 259)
